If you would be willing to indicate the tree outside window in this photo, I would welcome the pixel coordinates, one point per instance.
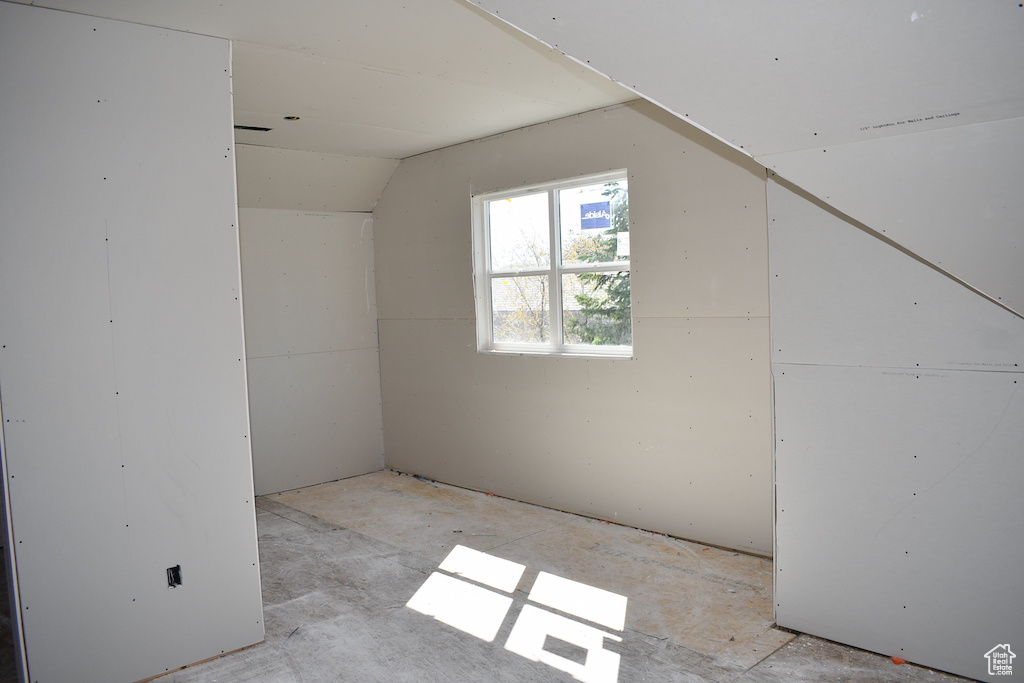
(552, 268)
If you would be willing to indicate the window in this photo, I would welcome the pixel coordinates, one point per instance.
(552, 268)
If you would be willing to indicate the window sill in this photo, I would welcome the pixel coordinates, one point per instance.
(623, 355)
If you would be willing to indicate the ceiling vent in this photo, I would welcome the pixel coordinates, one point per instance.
(259, 128)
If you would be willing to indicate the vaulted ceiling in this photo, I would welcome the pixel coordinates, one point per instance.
(381, 78)
(906, 115)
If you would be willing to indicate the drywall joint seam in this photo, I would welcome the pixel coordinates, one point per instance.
(312, 353)
(748, 316)
(1016, 369)
(906, 134)
(420, 319)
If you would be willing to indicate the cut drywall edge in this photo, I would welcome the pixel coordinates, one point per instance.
(628, 87)
(16, 629)
(950, 195)
(822, 204)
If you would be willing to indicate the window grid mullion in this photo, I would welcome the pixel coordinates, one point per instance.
(485, 281)
(555, 288)
(520, 272)
(605, 267)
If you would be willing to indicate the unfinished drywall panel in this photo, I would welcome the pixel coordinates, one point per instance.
(825, 78)
(311, 340)
(315, 417)
(770, 79)
(122, 364)
(898, 494)
(896, 399)
(271, 178)
(813, 77)
(842, 296)
(13, 616)
(696, 207)
(309, 281)
(676, 439)
(668, 441)
(965, 179)
(271, 79)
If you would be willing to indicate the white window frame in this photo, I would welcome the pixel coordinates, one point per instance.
(483, 275)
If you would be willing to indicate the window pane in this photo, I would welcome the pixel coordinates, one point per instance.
(595, 309)
(519, 232)
(520, 307)
(594, 223)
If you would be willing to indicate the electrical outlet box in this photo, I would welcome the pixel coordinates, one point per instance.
(174, 576)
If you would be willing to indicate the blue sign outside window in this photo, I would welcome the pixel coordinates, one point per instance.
(596, 215)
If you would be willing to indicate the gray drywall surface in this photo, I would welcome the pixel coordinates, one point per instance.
(122, 359)
(793, 85)
(311, 344)
(965, 179)
(899, 424)
(271, 178)
(820, 74)
(677, 439)
(906, 117)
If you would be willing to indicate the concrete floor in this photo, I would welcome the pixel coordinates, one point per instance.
(340, 562)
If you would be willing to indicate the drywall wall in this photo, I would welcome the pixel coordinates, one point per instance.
(676, 440)
(310, 314)
(905, 116)
(965, 179)
(816, 76)
(122, 374)
(311, 345)
(899, 423)
(270, 178)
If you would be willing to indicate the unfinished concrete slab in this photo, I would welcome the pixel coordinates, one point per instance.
(672, 585)
(808, 659)
(341, 561)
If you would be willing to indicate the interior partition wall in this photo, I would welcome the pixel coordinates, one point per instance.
(126, 457)
(899, 424)
(311, 346)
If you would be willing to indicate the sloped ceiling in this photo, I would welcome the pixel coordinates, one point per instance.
(817, 91)
(771, 77)
(380, 78)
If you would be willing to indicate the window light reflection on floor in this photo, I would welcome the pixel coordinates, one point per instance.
(533, 627)
(477, 611)
(480, 611)
(483, 568)
(572, 597)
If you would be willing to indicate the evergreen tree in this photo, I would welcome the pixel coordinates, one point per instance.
(604, 316)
